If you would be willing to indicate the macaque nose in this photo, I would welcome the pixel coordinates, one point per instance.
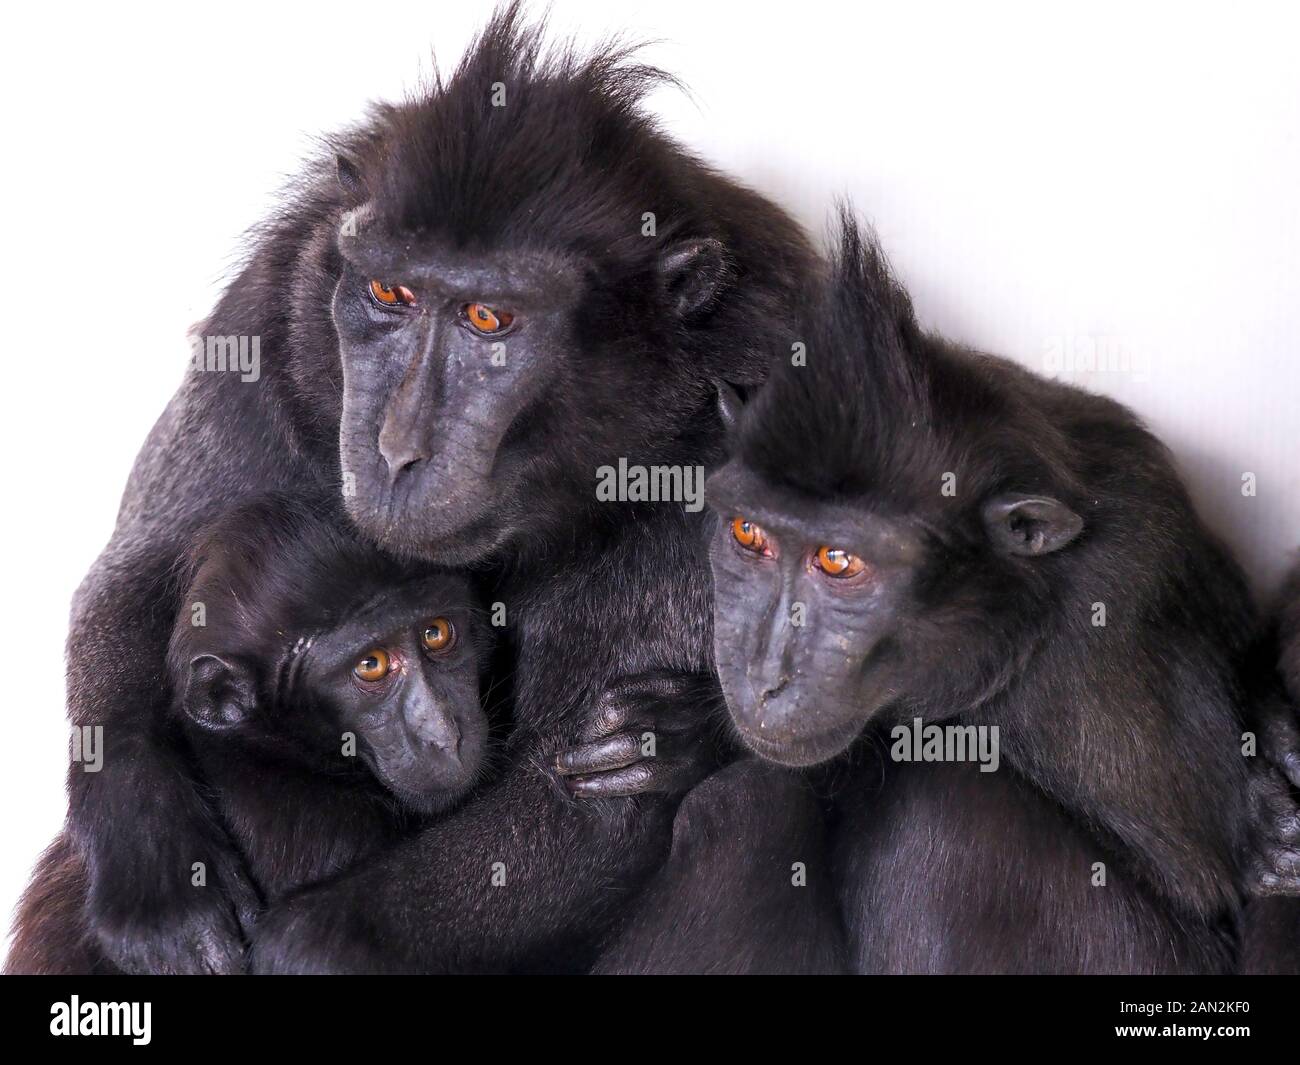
(440, 731)
(400, 449)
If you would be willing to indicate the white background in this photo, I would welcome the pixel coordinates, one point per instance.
(1048, 183)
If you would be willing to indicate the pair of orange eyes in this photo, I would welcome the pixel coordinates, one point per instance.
(832, 561)
(376, 664)
(482, 317)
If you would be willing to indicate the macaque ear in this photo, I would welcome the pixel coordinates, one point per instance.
(349, 176)
(730, 404)
(219, 692)
(693, 271)
(1030, 525)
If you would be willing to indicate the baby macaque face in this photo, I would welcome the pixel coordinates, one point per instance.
(402, 675)
(394, 685)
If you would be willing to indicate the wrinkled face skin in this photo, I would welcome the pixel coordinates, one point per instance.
(445, 359)
(827, 615)
(806, 617)
(402, 675)
(483, 390)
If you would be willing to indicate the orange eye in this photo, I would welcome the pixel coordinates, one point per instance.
(749, 536)
(438, 635)
(374, 665)
(485, 319)
(836, 563)
(391, 295)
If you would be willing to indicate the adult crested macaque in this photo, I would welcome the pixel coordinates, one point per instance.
(496, 289)
(911, 530)
(330, 696)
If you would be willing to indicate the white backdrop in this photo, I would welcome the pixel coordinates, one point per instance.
(1058, 186)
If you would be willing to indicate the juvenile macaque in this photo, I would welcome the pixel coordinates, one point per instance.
(330, 699)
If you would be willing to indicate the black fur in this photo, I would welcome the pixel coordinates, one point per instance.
(1119, 744)
(1271, 936)
(1288, 627)
(746, 889)
(51, 936)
